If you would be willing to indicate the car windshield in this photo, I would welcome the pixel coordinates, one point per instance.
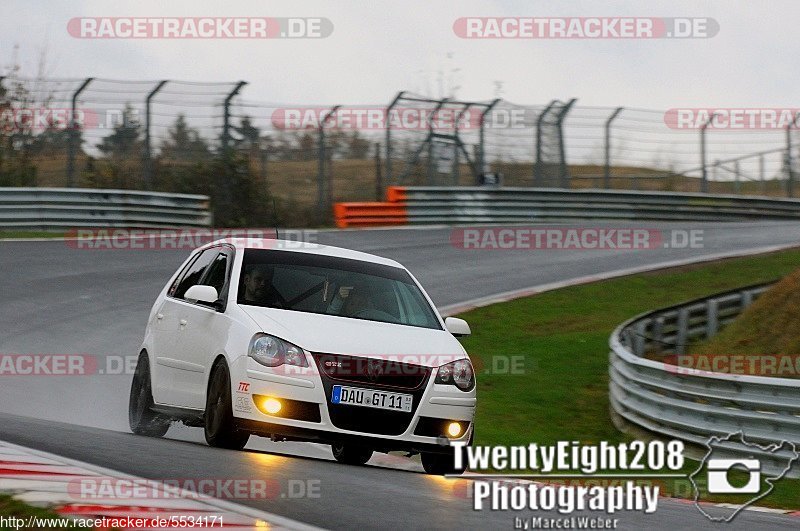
(333, 286)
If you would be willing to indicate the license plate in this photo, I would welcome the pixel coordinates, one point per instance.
(357, 396)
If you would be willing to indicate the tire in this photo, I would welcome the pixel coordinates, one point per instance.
(141, 418)
(351, 454)
(441, 464)
(218, 424)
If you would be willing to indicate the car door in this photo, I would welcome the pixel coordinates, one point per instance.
(164, 328)
(203, 330)
(173, 376)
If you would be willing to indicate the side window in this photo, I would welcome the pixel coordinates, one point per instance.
(195, 272)
(174, 287)
(217, 274)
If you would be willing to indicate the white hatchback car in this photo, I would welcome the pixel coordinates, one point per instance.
(297, 341)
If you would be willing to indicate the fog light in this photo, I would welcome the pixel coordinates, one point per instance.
(271, 405)
(454, 429)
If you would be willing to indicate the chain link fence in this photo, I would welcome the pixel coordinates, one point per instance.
(173, 135)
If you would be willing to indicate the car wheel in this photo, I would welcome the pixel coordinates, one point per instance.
(441, 464)
(141, 418)
(351, 454)
(219, 427)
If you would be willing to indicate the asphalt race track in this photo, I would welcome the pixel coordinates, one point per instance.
(57, 299)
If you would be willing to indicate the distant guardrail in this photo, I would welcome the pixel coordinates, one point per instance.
(451, 205)
(678, 402)
(65, 208)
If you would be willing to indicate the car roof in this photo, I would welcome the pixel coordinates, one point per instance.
(304, 247)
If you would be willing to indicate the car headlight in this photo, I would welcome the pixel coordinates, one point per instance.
(458, 373)
(272, 352)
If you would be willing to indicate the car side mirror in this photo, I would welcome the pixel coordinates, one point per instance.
(457, 327)
(202, 294)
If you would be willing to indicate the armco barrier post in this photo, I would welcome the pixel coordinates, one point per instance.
(607, 168)
(148, 152)
(72, 137)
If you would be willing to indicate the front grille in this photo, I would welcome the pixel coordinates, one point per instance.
(372, 374)
(383, 374)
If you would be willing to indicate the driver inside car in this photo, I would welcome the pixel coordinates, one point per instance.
(258, 286)
(358, 300)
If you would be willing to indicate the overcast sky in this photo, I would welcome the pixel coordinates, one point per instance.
(380, 47)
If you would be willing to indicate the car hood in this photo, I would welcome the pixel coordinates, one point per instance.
(357, 337)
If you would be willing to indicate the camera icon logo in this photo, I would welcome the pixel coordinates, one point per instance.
(718, 476)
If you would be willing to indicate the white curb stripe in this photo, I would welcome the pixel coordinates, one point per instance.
(25, 487)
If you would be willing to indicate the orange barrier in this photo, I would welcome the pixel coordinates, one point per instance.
(369, 214)
(395, 194)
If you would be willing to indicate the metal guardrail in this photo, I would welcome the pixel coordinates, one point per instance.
(425, 205)
(65, 208)
(684, 403)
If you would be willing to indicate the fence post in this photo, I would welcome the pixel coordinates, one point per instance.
(789, 169)
(264, 156)
(761, 174)
(537, 165)
(737, 185)
(226, 126)
(481, 137)
(389, 175)
(704, 182)
(148, 153)
(378, 176)
(607, 168)
(429, 165)
(564, 176)
(322, 193)
(72, 137)
(455, 171)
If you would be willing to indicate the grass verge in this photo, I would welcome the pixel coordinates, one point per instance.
(9, 507)
(559, 340)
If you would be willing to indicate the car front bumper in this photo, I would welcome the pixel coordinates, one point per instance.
(381, 430)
